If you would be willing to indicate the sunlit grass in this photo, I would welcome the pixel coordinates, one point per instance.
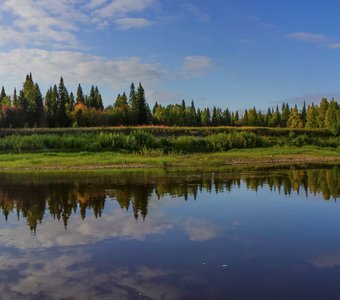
(159, 160)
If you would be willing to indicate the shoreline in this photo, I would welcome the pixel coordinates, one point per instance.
(85, 161)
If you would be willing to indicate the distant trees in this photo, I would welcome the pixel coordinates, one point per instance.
(332, 120)
(59, 108)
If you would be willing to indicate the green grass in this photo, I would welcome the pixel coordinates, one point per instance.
(163, 131)
(66, 160)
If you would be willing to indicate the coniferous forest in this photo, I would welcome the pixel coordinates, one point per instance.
(28, 108)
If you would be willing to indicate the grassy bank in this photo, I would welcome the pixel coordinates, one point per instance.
(113, 160)
(165, 131)
(142, 141)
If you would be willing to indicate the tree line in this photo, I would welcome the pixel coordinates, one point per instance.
(64, 199)
(59, 108)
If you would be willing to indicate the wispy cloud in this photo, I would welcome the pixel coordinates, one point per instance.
(199, 230)
(118, 8)
(322, 40)
(56, 23)
(77, 67)
(196, 66)
(260, 22)
(333, 46)
(129, 23)
(309, 37)
(196, 12)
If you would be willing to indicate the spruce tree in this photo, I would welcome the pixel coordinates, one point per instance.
(303, 114)
(80, 95)
(71, 102)
(121, 101)
(2, 94)
(331, 121)
(48, 106)
(98, 100)
(15, 98)
(142, 106)
(92, 98)
(39, 107)
(322, 112)
(62, 118)
(22, 101)
(227, 117)
(133, 105)
(154, 108)
(30, 94)
(285, 113)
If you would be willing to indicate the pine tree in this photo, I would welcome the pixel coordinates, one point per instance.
(285, 113)
(276, 117)
(312, 117)
(227, 117)
(15, 98)
(331, 121)
(121, 101)
(142, 106)
(51, 106)
(48, 107)
(98, 100)
(80, 95)
(192, 117)
(237, 117)
(133, 105)
(269, 117)
(154, 108)
(22, 101)
(303, 114)
(92, 98)
(322, 112)
(62, 118)
(214, 118)
(2, 95)
(30, 94)
(245, 121)
(39, 107)
(71, 102)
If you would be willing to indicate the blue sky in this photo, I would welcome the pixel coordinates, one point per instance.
(236, 53)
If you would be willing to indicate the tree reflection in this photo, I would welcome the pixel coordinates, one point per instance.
(32, 197)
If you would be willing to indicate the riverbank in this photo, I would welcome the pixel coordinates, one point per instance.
(274, 156)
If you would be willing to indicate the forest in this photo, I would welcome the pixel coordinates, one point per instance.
(28, 108)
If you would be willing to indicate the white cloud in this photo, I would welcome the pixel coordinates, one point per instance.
(200, 231)
(39, 276)
(309, 37)
(129, 23)
(56, 23)
(123, 7)
(321, 39)
(196, 66)
(120, 223)
(75, 67)
(333, 46)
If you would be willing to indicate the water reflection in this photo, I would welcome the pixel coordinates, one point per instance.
(31, 197)
(178, 235)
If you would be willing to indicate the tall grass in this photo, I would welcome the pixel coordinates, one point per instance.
(142, 141)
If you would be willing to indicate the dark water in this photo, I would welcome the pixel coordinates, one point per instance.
(143, 235)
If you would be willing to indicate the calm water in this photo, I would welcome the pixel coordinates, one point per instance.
(136, 235)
